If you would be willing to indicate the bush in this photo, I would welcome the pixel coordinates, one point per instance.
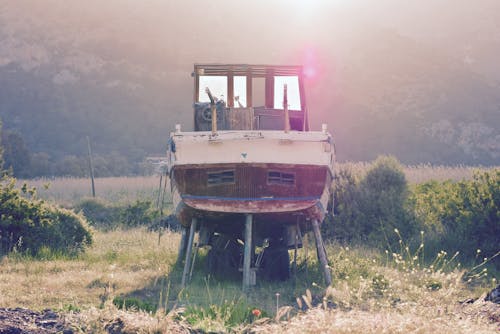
(382, 202)
(99, 214)
(141, 213)
(369, 209)
(106, 216)
(29, 225)
(462, 215)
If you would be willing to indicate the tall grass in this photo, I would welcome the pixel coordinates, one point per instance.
(68, 191)
(421, 173)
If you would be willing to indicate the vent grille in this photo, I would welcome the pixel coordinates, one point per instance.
(222, 177)
(276, 177)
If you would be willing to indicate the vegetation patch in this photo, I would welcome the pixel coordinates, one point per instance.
(31, 226)
(447, 215)
(107, 216)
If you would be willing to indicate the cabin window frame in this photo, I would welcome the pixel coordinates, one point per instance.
(222, 181)
(281, 180)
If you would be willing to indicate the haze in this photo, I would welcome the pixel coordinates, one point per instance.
(416, 79)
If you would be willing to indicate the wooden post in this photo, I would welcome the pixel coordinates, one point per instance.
(189, 251)
(159, 192)
(182, 245)
(247, 254)
(213, 110)
(297, 229)
(230, 89)
(91, 167)
(285, 108)
(320, 248)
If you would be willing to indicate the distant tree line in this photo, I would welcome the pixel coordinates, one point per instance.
(24, 164)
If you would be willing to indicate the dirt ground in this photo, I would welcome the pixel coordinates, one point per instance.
(24, 321)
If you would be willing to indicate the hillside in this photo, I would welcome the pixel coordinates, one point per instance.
(119, 72)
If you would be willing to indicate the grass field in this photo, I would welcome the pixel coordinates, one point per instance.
(130, 277)
(372, 292)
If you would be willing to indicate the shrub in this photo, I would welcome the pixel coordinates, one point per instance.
(345, 207)
(462, 215)
(99, 214)
(106, 216)
(369, 209)
(382, 202)
(138, 213)
(29, 225)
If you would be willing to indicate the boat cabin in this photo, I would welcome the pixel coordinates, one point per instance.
(249, 97)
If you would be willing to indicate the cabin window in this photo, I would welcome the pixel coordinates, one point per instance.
(217, 86)
(276, 177)
(293, 92)
(222, 177)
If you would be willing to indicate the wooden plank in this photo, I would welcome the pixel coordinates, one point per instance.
(247, 255)
(249, 90)
(239, 118)
(270, 88)
(189, 252)
(320, 248)
(183, 245)
(230, 89)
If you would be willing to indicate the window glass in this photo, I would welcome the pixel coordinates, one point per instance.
(217, 86)
(293, 92)
(240, 91)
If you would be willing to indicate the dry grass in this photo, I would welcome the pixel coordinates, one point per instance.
(119, 262)
(423, 172)
(67, 191)
(406, 319)
(401, 300)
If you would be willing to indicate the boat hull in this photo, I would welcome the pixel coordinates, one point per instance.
(275, 176)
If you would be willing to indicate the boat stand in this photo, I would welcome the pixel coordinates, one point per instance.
(247, 253)
(183, 245)
(321, 252)
(189, 252)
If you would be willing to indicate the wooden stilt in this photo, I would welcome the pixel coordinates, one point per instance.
(320, 248)
(189, 251)
(306, 262)
(182, 245)
(247, 254)
(196, 248)
(297, 233)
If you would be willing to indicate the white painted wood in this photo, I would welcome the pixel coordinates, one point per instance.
(301, 148)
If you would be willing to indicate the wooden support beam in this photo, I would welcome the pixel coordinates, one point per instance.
(269, 89)
(247, 254)
(230, 89)
(320, 248)
(249, 90)
(189, 251)
(182, 245)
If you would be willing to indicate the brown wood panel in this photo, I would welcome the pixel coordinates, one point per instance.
(251, 181)
(239, 118)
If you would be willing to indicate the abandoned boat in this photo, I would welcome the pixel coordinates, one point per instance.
(252, 178)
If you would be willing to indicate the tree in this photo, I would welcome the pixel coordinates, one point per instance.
(1, 148)
(16, 154)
